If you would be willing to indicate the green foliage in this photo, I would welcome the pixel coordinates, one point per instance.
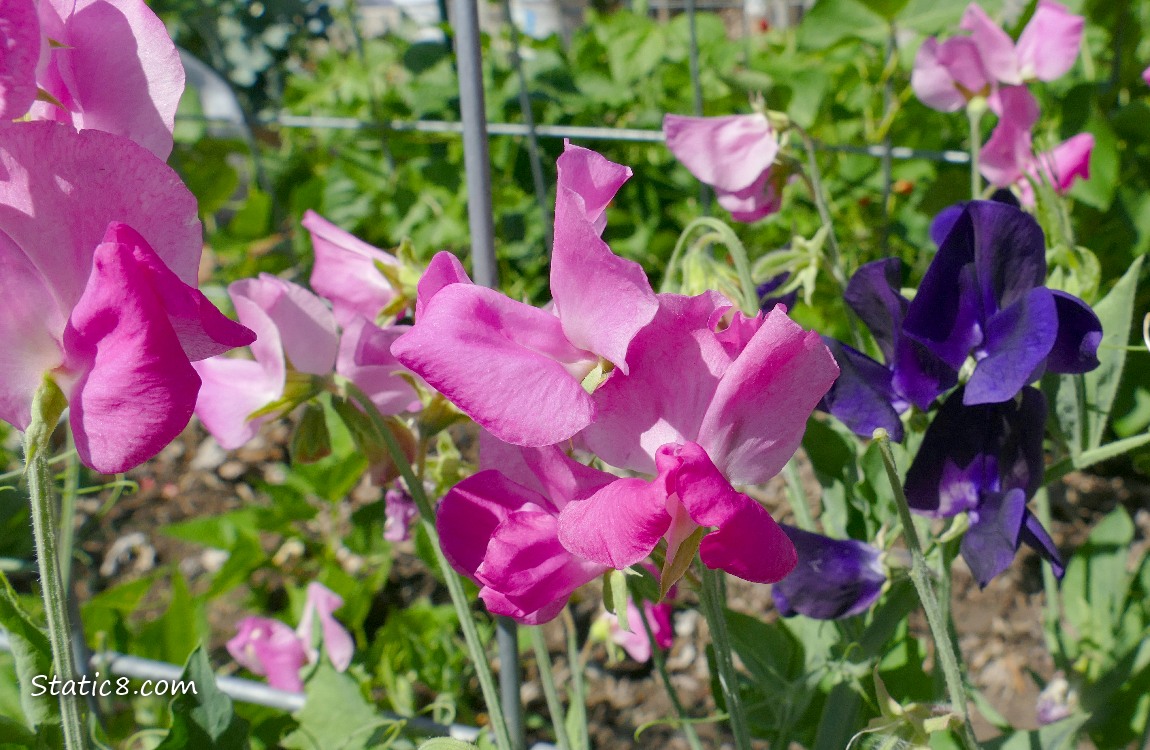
(204, 718)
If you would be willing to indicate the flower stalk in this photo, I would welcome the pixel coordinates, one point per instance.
(47, 406)
(712, 599)
(547, 678)
(920, 577)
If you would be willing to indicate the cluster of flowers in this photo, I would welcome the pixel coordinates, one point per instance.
(985, 67)
(99, 239)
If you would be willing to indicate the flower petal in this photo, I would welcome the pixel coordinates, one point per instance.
(992, 541)
(602, 300)
(620, 524)
(873, 293)
(270, 648)
(100, 42)
(136, 389)
(321, 604)
(472, 510)
(1007, 156)
(1018, 339)
(345, 271)
(1075, 349)
(1048, 46)
(504, 363)
(230, 391)
(365, 359)
(1036, 537)
(994, 45)
(729, 153)
(443, 269)
(932, 80)
(20, 30)
(307, 329)
(833, 577)
(862, 397)
(1068, 161)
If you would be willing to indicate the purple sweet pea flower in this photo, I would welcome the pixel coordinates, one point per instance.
(834, 577)
(983, 295)
(767, 302)
(400, 511)
(985, 459)
(868, 394)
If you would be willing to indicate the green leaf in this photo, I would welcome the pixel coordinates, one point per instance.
(311, 440)
(33, 656)
(204, 717)
(832, 21)
(445, 743)
(336, 716)
(888, 9)
(1096, 582)
(617, 586)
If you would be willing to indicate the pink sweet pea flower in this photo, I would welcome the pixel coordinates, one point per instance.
(518, 370)
(949, 74)
(20, 48)
(293, 326)
(732, 154)
(702, 408)
(99, 246)
(1009, 160)
(1046, 49)
(270, 649)
(113, 67)
(345, 271)
(499, 528)
(1146, 76)
(635, 641)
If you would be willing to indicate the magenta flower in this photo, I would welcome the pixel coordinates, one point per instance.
(346, 272)
(701, 408)
(732, 154)
(518, 370)
(272, 649)
(100, 244)
(1009, 160)
(500, 528)
(635, 641)
(110, 66)
(293, 326)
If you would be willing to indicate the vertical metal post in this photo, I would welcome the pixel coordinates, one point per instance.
(697, 92)
(477, 164)
(476, 160)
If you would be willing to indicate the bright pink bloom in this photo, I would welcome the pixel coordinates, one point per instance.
(1046, 49)
(293, 326)
(321, 605)
(500, 528)
(513, 368)
(20, 48)
(1008, 159)
(732, 154)
(702, 408)
(635, 641)
(949, 74)
(346, 271)
(272, 649)
(1146, 76)
(99, 245)
(113, 67)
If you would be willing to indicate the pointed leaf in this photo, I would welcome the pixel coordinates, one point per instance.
(203, 717)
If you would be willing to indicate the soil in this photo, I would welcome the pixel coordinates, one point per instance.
(1000, 627)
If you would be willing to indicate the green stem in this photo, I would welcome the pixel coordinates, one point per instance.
(974, 117)
(68, 511)
(1052, 614)
(820, 198)
(46, 409)
(576, 692)
(735, 248)
(452, 579)
(712, 598)
(661, 665)
(554, 707)
(920, 577)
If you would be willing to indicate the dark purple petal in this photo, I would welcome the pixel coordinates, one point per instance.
(991, 542)
(944, 221)
(918, 375)
(833, 578)
(1010, 253)
(767, 302)
(969, 451)
(862, 397)
(944, 316)
(1017, 342)
(873, 293)
(1079, 334)
(1035, 537)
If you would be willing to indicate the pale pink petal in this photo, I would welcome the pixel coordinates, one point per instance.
(136, 389)
(1048, 46)
(365, 359)
(230, 391)
(529, 568)
(1016, 106)
(1068, 161)
(60, 189)
(116, 69)
(602, 300)
(1146, 76)
(345, 271)
(756, 202)
(506, 364)
(20, 45)
(444, 269)
(994, 45)
(29, 334)
(1006, 156)
(634, 641)
(307, 329)
(746, 541)
(678, 363)
(963, 61)
(729, 153)
(321, 604)
(933, 82)
(620, 524)
(269, 648)
(760, 408)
